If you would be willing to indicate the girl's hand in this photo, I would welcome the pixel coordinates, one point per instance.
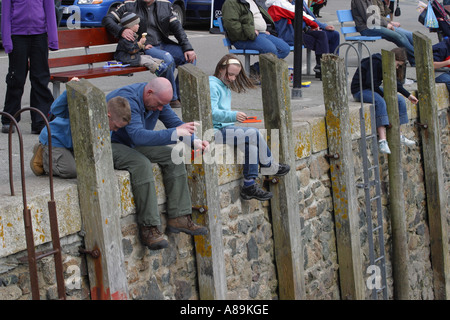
(241, 116)
(413, 99)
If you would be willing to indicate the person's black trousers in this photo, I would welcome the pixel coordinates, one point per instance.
(30, 52)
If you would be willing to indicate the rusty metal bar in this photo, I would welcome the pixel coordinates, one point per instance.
(12, 121)
(31, 252)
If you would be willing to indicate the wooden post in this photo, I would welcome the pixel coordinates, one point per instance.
(343, 180)
(98, 191)
(400, 259)
(284, 204)
(434, 178)
(204, 185)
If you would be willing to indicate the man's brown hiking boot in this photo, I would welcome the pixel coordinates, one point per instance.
(36, 162)
(153, 238)
(186, 225)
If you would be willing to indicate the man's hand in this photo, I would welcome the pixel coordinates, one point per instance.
(329, 28)
(199, 144)
(186, 129)
(190, 56)
(128, 34)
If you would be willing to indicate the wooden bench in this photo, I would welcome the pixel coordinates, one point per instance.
(348, 29)
(248, 53)
(86, 38)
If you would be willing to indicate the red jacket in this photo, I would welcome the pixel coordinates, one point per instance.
(283, 9)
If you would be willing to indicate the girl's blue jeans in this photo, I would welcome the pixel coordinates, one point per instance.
(381, 115)
(251, 143)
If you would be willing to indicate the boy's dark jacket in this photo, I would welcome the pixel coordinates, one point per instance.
(377, 67)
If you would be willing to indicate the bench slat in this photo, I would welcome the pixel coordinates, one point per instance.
(93, 73)
(77, 60)
(73, 38)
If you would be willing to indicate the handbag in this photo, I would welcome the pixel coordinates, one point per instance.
(397, 10)
(423, 16)
(430, 19)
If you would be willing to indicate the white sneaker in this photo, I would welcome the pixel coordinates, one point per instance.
(408, 82)
(406, 142)
(383, 146)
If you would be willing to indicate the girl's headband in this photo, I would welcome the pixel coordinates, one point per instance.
(231, 61)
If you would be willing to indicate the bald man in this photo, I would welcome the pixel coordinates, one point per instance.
(136, 146)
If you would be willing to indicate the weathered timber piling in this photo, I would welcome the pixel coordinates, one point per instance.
(98, 191)
(204, 185)
(396, 192)
(432, 161)
(284, 204)
(342, 177)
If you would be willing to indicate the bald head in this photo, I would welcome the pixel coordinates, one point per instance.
(157, 93)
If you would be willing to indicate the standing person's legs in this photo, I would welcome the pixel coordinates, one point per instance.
(16, 77)
(41, 97)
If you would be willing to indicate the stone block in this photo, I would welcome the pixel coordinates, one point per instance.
(302, 139)
(12, 230)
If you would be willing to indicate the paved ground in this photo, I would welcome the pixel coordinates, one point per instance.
(209, 49)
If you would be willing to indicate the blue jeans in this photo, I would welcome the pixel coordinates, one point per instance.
(400, 37)
(173, 56)
(381, 115)
(251, 143)
(266, 43)
(444, 78)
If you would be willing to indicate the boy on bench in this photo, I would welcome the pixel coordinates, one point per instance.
(132, 52)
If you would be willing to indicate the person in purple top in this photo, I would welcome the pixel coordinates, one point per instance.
(28, 31)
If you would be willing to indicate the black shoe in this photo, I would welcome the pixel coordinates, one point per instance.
(5, 128)
(283, 169)
(317, 68)
(255, 192)
(37, 130)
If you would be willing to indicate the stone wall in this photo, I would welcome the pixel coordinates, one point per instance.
(247, 232)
